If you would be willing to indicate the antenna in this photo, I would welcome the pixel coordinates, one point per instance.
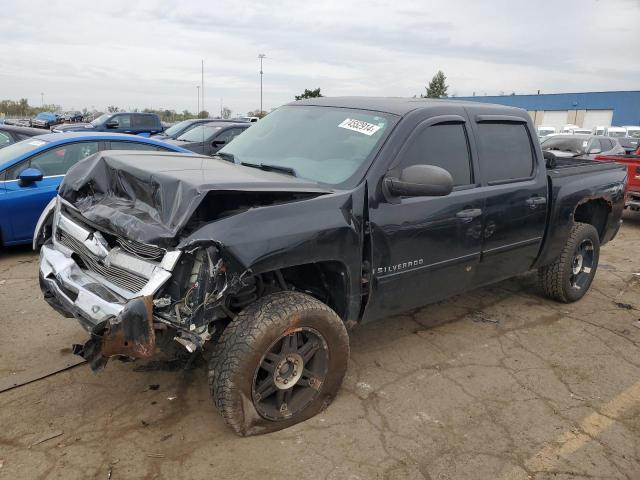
(202, 84)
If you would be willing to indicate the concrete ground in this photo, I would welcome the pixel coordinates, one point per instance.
(496, 384)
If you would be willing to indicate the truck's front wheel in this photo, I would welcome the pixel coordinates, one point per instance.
(569, 277)
(279, 362)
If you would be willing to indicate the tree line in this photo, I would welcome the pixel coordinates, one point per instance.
(437, 88)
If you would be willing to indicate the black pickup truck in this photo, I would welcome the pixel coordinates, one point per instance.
(328, 213)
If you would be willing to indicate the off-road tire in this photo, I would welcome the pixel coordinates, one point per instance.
(246, 340)
(555, 279)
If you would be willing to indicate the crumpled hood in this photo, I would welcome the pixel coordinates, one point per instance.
(150, 197)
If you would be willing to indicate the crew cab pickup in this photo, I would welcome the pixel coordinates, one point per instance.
(328, 213)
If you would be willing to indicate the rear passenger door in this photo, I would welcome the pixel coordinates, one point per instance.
(515, 208)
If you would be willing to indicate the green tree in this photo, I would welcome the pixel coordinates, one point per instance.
(203, 114)
(437, 86)
(309, 94)
(112, 109)
(226, 113)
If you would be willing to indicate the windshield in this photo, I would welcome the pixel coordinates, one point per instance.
(19, 148)
(101, 119)
(177, 128)
(325, 144)
(199, 133)
(565, 144)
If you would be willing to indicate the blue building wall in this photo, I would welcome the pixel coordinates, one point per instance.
(625, 105)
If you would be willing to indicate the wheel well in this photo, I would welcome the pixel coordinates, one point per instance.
(594, 212)
(327, 281)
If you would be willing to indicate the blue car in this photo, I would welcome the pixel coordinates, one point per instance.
(31, 170)
(46, 120)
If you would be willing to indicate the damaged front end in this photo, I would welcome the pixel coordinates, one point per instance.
(134, 298)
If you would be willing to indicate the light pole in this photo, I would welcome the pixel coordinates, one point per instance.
(42, 98)
(198, 111)
(261, 56)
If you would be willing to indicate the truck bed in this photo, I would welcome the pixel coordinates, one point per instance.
(579, 165)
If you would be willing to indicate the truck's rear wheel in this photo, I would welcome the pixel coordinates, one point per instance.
(569, 277)
(280, 362)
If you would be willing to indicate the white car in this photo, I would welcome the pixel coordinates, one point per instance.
(544, 131)
(618, 132)
(633, 131)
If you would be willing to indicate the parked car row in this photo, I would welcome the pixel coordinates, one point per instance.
(629, 131)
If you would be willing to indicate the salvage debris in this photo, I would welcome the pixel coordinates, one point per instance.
(155, 455)
(636, 324)
(480, 316)
(155, 386)
(626, 306)
(48, 437)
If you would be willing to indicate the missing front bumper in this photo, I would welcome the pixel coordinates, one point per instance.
(130, 334)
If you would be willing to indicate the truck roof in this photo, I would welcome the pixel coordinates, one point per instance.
(401, 106)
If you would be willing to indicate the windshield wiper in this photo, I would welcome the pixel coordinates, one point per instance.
(271, 168)
(229, 157)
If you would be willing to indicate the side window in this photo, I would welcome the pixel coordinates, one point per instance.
(136, 146)
(5, 139)
(229, 135)
(124, 121)
(444, 145)
(505, 151)
(55, 161)
(595, 144)
(144, 121)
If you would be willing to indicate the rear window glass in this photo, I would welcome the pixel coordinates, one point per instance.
(144, 121)
(505, 151)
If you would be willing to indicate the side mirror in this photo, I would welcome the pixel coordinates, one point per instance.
(112, 124)
(419, 181)
(29, 176)
(595, 150)
(217, 143)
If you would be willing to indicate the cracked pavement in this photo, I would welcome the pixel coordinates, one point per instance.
(499, 383)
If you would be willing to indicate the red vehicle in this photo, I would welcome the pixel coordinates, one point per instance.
(632, 161)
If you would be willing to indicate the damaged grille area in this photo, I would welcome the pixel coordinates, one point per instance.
(138, 249)
(141, 250)
(116, 275)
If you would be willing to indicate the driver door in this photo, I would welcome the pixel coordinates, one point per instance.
(27, 201)
(425, 249)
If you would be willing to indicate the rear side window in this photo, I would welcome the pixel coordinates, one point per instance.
(444, 145)
(505, 151)
(144, 121)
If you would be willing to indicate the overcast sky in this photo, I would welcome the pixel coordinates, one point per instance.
(137, 54)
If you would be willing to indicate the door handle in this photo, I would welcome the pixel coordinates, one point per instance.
(533, 202)
(469, 214)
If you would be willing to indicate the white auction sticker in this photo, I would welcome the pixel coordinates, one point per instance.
(359, 126)
(36, 143)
